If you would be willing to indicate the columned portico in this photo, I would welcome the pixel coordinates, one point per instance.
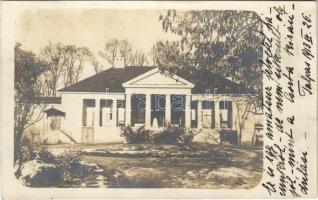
(167, 110)
(164, 86)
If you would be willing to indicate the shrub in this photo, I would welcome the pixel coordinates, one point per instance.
(45, 176)
(173, 135)
(141, 135)
(28, 150)
(46, 170)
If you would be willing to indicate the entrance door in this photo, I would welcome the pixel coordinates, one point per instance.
(158, 107)
(87, 134)
(208, 114)
(88, 120)
(178, 110)
(138, 105)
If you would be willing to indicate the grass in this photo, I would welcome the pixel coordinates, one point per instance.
(170, 166)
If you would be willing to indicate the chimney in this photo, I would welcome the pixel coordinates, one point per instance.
(119, 62)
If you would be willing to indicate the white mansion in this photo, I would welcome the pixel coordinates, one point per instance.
(94, 109)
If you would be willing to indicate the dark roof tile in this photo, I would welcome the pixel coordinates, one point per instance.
(112, 78)
(54, 112)
(208, 82)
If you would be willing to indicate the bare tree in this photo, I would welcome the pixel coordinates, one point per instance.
(111, 51)
(97, 66)
(82, 56)
(55, 57)
(138, 58)
(68, 71)
(153, 54)
(125, 50)
(27, 87)
(65, 64)
(245, 105)
(76, 57)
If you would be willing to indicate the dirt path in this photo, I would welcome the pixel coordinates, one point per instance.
(178, 172)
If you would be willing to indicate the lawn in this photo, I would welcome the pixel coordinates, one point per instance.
(168, 166)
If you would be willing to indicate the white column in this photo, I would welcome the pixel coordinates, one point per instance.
(188, 111)
(217, 114)
(114, 112)
(128, 110)
(148, 111)
(168, 109)
(97, 108)
(199, 111)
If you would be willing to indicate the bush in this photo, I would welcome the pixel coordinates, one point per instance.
(28, 150)
(173, 135)
(141, 135)
(46, 170)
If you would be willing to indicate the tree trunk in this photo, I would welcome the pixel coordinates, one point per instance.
(17, 150)
(240, 137)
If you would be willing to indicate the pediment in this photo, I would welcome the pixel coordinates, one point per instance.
(157, 78)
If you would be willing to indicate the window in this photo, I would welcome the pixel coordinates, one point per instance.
(138, 106)
(178, 110)
(158, 108)
(208, 114)
(207, 104)
(120, 103)
(120, 121)
(105, 112)
(88, 117)
(226, 114)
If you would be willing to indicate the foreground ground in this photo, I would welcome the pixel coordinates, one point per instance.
(169, 166)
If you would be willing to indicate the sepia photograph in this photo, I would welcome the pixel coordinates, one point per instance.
(107, 98)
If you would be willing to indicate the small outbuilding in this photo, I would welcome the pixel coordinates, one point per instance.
(52, 125)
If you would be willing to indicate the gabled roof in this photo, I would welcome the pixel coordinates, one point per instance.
(54, 112)
(111, 78)
(206, 80)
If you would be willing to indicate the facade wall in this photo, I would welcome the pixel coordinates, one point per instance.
(72, 105)
(95, 117)
(212, 135)
(72, 124)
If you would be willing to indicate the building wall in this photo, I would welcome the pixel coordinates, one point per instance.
(249, 124)
(38, 132)
(72, 105)
(208, 135)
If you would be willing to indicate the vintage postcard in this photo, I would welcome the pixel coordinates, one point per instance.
(158, 100)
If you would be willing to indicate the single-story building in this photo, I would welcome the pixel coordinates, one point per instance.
(96, 107)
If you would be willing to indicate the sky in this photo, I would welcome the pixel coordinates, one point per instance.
(89, 28)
